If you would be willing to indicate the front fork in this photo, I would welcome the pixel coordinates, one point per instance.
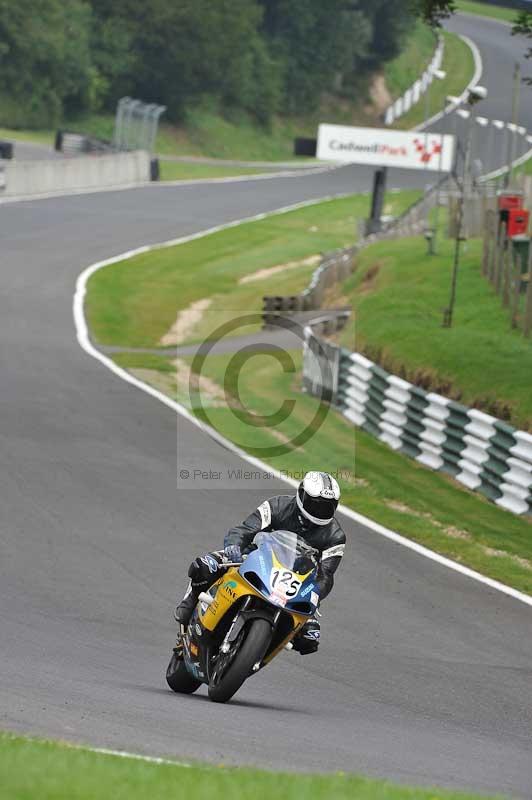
(240, 619)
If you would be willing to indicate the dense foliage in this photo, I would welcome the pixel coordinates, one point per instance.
(262, 56)
(523, 27)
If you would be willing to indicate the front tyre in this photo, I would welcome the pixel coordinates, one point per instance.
(179, 678)
(223, 686)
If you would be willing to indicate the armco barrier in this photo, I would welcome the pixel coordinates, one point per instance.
(32, 178)
(412, 95)
(478, 450)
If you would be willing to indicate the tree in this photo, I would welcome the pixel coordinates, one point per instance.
(433, 11)
(176, 53)
(315, 42)
(44, 60)
(523, 27)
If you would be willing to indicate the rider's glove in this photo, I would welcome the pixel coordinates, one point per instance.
(233, 553)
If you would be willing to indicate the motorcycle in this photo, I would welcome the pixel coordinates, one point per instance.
(248, 616)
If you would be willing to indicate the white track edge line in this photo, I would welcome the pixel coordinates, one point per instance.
(83, 338)
(498, 173)
(103, 751)
(479, 67)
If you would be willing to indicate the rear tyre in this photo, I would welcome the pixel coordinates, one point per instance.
(251, 651)
(179, 678)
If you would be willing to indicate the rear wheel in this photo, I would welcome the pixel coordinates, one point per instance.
(231, 671)
(179, 678)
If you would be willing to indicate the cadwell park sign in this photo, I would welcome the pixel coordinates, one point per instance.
(386, 148)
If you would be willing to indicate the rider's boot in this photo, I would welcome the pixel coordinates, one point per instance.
(308, 639)
(182, 615)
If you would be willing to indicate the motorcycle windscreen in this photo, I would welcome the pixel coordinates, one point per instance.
(283, 570)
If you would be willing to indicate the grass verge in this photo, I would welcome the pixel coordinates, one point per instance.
(486, 10)
(398, 294)
(181, 170)
(459, 65)
(134, 303)
(53, 771)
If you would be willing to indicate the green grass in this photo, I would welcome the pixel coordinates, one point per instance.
(399, 312)
(180, 170)
(34, 137)
(486, 10)
(135, 302)
(404, 70)
(45, 770)
(459, 65)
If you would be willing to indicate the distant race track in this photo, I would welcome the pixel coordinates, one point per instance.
(423, 675)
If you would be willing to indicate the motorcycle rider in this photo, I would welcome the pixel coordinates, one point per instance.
(309, 514)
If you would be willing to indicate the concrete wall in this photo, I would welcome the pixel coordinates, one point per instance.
(33, 178)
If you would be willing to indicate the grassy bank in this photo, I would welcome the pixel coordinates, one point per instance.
(480, 360)
(459, 65)
(486, 10)
(134, 303)
(32, 768)
(404, 70)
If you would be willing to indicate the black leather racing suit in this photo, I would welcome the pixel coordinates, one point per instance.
(281, 513)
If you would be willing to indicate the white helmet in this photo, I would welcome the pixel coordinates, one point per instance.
(317, 497)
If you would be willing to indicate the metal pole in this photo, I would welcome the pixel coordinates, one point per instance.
(146, 124)
(155, 122)
(489, 148)
(119, 121)
(515, 115)
(448, 314)
(498, 125)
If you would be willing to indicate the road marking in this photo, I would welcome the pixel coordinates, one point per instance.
(125, 754)
(83, 338)
(474, 80)
(497, 173)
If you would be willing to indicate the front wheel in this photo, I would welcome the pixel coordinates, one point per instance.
(225, 682)
(179, 678)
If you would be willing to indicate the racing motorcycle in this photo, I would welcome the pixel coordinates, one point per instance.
(248, 616)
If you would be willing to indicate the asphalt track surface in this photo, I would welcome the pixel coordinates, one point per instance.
(423, 675)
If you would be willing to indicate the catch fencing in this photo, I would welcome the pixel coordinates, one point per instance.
(412, 95)
(481, 452)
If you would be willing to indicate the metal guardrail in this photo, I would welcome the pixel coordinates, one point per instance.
(478, 450)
